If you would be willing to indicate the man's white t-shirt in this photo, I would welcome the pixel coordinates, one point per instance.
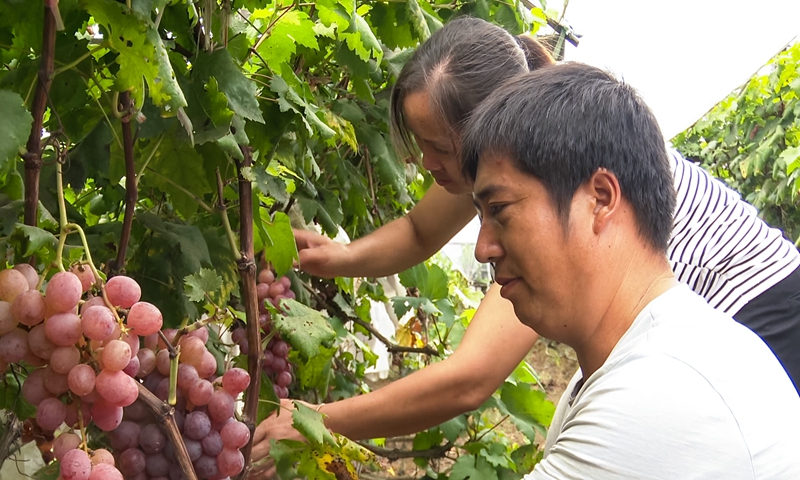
(686, 393)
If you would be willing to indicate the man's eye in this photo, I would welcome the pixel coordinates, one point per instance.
(495, 209)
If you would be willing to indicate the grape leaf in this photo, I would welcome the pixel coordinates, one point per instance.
(15, 123)
(268, 402)
(404, 304)
(282, 249)
(527, 404)
(472, 467)
(431, 281)
(33, 240)
(309, 423)
(304, 328)
(290, 30)
(240, 90)
(202, 282)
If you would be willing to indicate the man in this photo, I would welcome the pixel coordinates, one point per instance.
(573, 186)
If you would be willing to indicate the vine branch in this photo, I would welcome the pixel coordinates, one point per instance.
(247, 271)
(33, 156)
(396, 454)
(131, 189)
(166, 416)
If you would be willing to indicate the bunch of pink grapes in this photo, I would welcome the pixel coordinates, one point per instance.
(276, 362)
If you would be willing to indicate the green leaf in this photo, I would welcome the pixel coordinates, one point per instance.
(418, 20)
(309, 423)
(527, 404)
(33, 239)
(11, 398)
(268, 401)
(791, 158)
(430, 281)
(473, 468)
(404, 304)
(193, 247)
(304, 328)
(290, 30)
(282, 250)
(200, 283)
(178, 168)
(240, 90)
(15, 123)
(49, 472)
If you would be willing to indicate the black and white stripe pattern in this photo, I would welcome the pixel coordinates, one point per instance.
(719, 246)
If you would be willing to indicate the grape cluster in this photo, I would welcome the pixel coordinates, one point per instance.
(204, 416)
(89, 363)
(276, 363)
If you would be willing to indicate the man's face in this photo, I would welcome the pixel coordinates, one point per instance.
(538, 262)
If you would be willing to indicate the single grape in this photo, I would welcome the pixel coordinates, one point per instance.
(279, 364)
(64, 443)
(93, 301)
(266, 276)
(212, 444)
(200, 393)
(206, 467)
(125, 436)
(33, 388)
(208, 365)
(39, 344)
(162, 362)
(85, 275)
(234, 434)
(101, 455)
(280, 349)
(157, 465)
(56, 383)
(132, 462)
(193, 447)
(170, 334)
(276, 289)
(284, 378)
(147, 362)
(132, 369)
(28, 308)
(235, 381)
(133, 341)
(220, 407)
(152, 439)
(50, 413)
(197, 425)
(286, 281)
(12, 283)
(63, 292)
(76, 465)
(230, 462)
(63, 329)
(201, 333)
(187, 376)
(113, 386)
(7, 320)
(14, 345)
(123, 291)
(145, 319)
(192, 350)
(64, 359)
(81, 380)
(116, 355)
(262, 291)
(30, 274)
(104, 471)
(98, 322)
(136, 412)
(106, 416)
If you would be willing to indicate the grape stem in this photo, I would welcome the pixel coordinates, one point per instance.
(82, 426)
(196, 326)
(166, 416)
(223, 212)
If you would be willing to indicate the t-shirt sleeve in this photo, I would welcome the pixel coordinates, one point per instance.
(640, 422)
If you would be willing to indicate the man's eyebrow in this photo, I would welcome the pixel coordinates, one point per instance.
(486, 192)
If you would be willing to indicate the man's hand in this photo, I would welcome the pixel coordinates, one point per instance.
(319, 255)
(277, 426)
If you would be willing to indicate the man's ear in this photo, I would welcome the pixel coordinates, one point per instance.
(603, 186)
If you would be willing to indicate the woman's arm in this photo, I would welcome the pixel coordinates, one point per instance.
(493, 345)
(396, 246)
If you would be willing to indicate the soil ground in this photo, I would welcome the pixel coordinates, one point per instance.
(555, 364)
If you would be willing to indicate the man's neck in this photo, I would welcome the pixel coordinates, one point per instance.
(639, 286)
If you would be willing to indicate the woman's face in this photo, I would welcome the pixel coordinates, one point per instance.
(438, 144)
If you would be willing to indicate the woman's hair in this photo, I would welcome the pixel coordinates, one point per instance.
(459, 66)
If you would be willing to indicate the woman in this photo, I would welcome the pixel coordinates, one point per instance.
(719, 247)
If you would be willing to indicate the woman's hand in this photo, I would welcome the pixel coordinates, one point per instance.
(277, 426)
(319, 255)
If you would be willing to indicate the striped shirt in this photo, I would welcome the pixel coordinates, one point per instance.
(719, 246)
